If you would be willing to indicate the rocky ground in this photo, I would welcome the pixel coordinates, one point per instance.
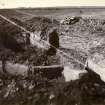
(81, 40)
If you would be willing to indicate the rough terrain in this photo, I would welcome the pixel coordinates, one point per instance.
(81, 40)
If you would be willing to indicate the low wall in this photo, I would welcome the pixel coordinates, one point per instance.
(53, 71)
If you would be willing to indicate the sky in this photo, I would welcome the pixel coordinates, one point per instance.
(49, 3)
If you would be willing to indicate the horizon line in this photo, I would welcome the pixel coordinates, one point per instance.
(59, 7)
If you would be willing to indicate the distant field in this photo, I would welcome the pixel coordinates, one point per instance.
(62, 12)
(55, 12)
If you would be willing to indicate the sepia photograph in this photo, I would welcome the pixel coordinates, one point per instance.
(52, 52)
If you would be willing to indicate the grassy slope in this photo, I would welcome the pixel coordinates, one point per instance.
(90, 30)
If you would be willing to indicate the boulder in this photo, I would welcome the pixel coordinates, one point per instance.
(95, 65)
